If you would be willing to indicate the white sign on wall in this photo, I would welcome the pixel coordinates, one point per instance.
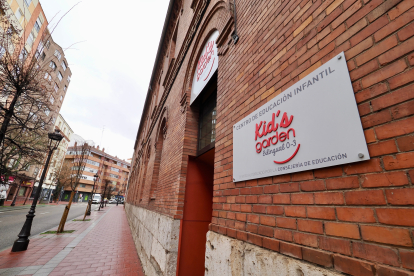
(206, 66)
(313, 124)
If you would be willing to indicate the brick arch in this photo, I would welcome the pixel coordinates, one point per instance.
(162, 128)
(145, 160)
(158, 148)
(216, 20)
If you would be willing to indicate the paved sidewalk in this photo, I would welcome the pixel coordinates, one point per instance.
(102, 246)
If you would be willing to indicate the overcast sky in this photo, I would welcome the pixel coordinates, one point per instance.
(111, 69)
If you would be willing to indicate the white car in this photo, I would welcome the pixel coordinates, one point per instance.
(96, 199)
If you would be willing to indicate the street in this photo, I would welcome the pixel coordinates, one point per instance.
(47, 216)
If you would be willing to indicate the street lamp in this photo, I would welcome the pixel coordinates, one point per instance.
(22, 242)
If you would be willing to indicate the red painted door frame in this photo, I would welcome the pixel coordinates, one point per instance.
(198, 203)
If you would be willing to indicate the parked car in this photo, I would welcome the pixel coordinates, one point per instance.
(96, 199)
(112, 201)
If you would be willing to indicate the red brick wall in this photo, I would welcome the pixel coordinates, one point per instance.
(356, 218)
(182, 123)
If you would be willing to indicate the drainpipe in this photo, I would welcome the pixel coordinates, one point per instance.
(234, 35)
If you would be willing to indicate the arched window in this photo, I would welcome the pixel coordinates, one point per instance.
(52, 65)
(144, 172)
(158, 157)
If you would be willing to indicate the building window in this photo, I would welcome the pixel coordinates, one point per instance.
(60, 77)
(32, 116)
(64, 88)
(47, 112)
(114, 169)
(64, 65)
(30, 39)
(40, 47)
(48, 44)
(91, 162)
(58, 55)
(27, 2)
(37, 26)
(207, 125)
(48, 76)
(52, 65)
(19, 14)
(23, 54)
(61, 98)
(43, 56)
(68, 78)
(52, 100)
(82, 185)
(56, 87)
(35, 172)
(2, 51)
(91, 170)
(11, 163)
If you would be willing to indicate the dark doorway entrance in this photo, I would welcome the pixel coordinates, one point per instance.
(197, 214)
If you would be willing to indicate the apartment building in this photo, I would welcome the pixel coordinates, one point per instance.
(27, 19)
(53, 56)
(113, 172)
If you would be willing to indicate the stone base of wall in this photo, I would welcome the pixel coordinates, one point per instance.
(227, 256)
(156, 239)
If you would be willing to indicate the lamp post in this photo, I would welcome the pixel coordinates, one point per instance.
(22, 242)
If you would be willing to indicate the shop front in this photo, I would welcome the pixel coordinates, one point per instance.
(19, 189)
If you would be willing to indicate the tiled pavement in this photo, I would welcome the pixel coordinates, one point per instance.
(102, 246)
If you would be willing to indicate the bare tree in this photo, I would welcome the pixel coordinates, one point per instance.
(26, 108)
(104, 192)
(62, 179)
(80, 154)
(94, 189)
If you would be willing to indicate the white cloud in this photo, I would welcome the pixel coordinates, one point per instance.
(111, 69)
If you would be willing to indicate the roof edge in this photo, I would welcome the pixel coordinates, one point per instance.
(164, 29)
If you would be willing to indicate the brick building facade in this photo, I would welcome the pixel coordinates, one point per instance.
(187, 215)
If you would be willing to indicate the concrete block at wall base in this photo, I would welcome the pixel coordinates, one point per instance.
(156, 239)
(171, 264)
(169, 233)
(145, 238)
(159, 254)
(226, 256)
